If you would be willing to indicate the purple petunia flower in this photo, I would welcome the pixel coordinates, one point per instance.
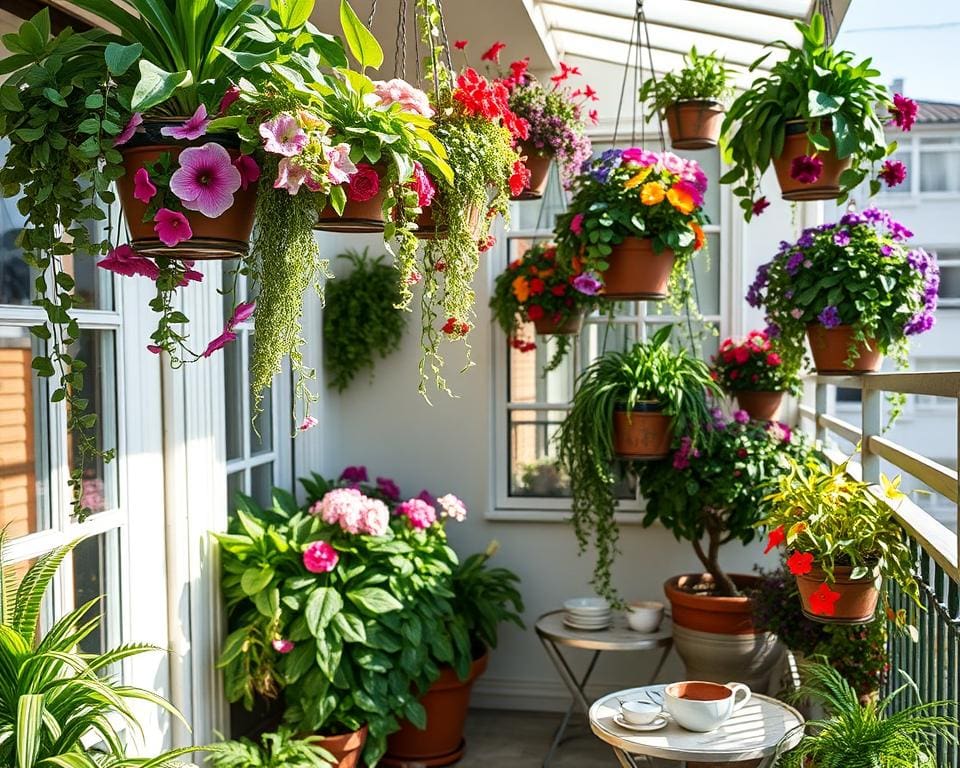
(741, 417)
(829, 317)
(793, 264)
(842, 238)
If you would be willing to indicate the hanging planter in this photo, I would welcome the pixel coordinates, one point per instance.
(836, 350)
(641, 433)
(363, 210)
(636, 271)
(428, 229)
(555, 326)
(752, 370)
(694, 124)
(538, 163)
(857, 601)
(798, 183)
(760, 405)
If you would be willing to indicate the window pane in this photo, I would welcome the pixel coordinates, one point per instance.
(24, 436)
(939, 171)
(261, 484)
(233, 394)
(96, 574)
(234, 486)
(602, 336)
(528, 384)
(950, 282)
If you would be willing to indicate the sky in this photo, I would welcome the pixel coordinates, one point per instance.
(911, 39)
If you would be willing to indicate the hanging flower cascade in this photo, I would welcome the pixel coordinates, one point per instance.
(753, 363)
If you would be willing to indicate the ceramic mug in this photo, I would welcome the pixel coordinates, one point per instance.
(644, 615)
(700, 706)
(640, 712)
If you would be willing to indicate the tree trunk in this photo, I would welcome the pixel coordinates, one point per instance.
(710, 560)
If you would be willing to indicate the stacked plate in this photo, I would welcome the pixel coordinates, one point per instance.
(587, 613)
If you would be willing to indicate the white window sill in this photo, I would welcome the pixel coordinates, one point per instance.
(634, 517)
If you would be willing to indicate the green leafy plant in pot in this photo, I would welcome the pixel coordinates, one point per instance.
(752, 371)
(282, 749)
(691, 100)
(819, 118)
(627, 405)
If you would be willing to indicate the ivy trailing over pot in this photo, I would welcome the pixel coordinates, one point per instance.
(361, 320)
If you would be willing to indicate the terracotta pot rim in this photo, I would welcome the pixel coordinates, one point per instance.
(448, 676)
(698, 102)
(760, 391)
(841, 575)
(711, 603)
(652, 407)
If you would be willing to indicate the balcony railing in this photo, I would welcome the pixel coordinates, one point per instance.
(934, 661)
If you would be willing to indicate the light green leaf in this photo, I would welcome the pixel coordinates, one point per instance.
(361, 42)
(820, 103)
(120, 58)
(323, 604)
(156, 86)
(374, 600)
(256, 579)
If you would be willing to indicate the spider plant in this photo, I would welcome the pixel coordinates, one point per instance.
(866, 735)
(275, 750)
(53, 696)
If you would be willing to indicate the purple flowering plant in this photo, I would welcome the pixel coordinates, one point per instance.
(859, 271)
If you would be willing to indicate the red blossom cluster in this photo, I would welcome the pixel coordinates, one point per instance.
(823, 600)
(519, 179)
(481, 97)
(522, 346)
(753, 361)
(455, 328)
(487, 243)
(565, 72)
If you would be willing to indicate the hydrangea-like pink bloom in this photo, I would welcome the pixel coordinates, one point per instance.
(123, 260)
(320, 557)
(205, 180)
(423, 186)
(135, 121)
(420, 514)
(410, 99)
(248, 169)
(281, 645)
(337, 503)
(283, 135)
(375, 518)
(171, 227)
(194, 128)
(143, 188)
(453, 507)
(341, 166)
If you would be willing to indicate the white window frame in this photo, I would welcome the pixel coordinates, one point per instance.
(913, 145)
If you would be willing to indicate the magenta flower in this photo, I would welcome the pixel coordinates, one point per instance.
(760, 205)
(229, 97)
(194, 128)
(420, 514)
(291, 176)
(587, 284)
(904, 111)
(422, 185)
(364, 184)
(893, 172)
(309, 422)
(426, 496)
(219, 342)
(171, 227)
(388, 488)
(143, 188)
(576, 224)
(280, 645)
(320, 557)
(153, 349)
(205, 180)
(741, 417)
(636, 156)
(341, 166)
(806, 169)
(248, 169)
(135, 121)
(123, 260)
(189, 276)
(283, 135)
(356, 474)
(241, 313)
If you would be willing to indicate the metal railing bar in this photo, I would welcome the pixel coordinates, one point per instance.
(942, 479)
(845, 429)
(936, 383)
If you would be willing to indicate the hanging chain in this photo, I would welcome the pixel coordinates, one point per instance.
(623, 84)
(826, 10)
(373, 12)
(400, 55)
(653, 73)
(443, 36)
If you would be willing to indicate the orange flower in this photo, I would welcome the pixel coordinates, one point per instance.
(521, 289)
(651, 193)
(545, 273)
(637, 180)
(577, 265)
(681, 200)
(700, 239)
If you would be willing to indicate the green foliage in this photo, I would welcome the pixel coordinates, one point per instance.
(484, 598)
(675, 380)
(702, 77)
(867, 735)
(838, 100)
(361, 319)
(282, 749)
(52, 694)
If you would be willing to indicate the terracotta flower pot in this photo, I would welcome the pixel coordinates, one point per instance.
(225, 237)
(636, 272)
(694, 124)
(442, 742)
(539, 166)
(644, 434)
(358, 217)
(858, 599)
(546, 326)
(346, 748)
(762, 406)
(428, 230)
(830, 348)
(796, 144)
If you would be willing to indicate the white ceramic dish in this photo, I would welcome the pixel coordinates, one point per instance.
(644, 616)
(658, 722)
(589, 628)
(592, 620)
(640, 712)
(585, 605)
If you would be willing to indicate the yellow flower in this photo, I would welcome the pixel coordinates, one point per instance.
(891, 488)
(680, 200)
(521, 289)
(637, 180)
(651, 193)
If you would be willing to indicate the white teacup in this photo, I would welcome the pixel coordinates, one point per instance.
(640, 712)
(702, 707)
(644, 615)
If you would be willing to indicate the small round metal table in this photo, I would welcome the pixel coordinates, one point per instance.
(553, 633)
(752, 733)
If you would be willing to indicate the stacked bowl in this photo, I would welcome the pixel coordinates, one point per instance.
(587, 613)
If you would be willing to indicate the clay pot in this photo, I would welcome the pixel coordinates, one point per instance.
(358, 216)
(762, 406)
(427, 229)
(857, 603)
(634, 271)
(442, 742)
(546, 326)
(796, 144)
(642, 434)
(225, 237)
(694, 124)
(830, 348)
(704, 612)
(346, 748)
(539, 166)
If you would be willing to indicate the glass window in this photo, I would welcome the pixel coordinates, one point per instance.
(939, 165)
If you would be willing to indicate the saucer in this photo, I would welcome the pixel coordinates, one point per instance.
(655, 725)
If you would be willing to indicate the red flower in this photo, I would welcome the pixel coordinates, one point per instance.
(904, 111)
(456, 328)
(760, 205)
(364, 184)
(800, 563)
(591, 94)
(823, 601)
(537, 286)
(535, 312)
(775, 538)
(742, 453)
(773, 359)
(440, 265)
(519, 179)
(493, 52)
(565, 71)
(460, 44)
(559, 290)
(519, 68)
(734, 374)
(893, 172)
(742, 354)
(594, 116)
(488, 243)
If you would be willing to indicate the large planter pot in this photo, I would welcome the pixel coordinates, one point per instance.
(694, 124)
(796, 144)
(538, 163)
(442, 742)
(359, 216)
(427, 229)
(642, 434)
(716, 636)
(762, 406)
(546, 326)
(346, 748)
(830, 349)
(858, 599)
(225, 237)
(636, 272)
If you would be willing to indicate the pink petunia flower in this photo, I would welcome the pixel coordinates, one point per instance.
(154, 349)
(636, 156)
(248, 169)
(576, 224)
(123, 260)
(205, 180)
(241, 313)
(397, 91)
(194, 128)
(673, 163)
(587, 284)
(309, 422)
(190, 276)
(219, 342)
(283, 135)
(452, 507)
(423, 186)
(135, 121)
(893, 172)
(171, 227)
(806, 169)
(143, 188)
(229, 97)
(341, 166)
(320, 557)
(290, 176)
(281, 645)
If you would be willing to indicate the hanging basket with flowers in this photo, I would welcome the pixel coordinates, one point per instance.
(752, 370)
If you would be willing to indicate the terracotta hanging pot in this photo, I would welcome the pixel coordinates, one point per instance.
(538, 163)
(831, 347)
(636, 272)
(225, 237)
(858, 599)
(428, 230)
(442, 742)
(642, 434)
(694, 124)
(359, 216)
(346, 748)
(797, 144)
(546, 326)
(762, 406)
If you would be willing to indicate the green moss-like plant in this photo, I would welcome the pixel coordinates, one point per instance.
(361, 319)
